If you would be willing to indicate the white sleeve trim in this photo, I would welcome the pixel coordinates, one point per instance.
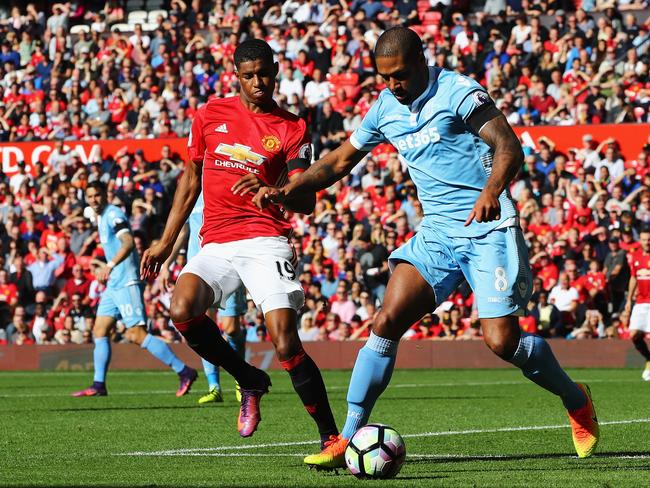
(479, 131)
(120, 232)
(358, 146)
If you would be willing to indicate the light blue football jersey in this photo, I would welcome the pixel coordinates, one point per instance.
(448, 162)
(195, 221)
(111, 223)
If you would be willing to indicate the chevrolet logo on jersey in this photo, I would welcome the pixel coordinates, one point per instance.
(240, 153)
(642, 273)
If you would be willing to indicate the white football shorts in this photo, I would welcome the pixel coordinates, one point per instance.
(640, 318)
(264, 265)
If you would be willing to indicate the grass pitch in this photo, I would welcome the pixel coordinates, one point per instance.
(487, 428)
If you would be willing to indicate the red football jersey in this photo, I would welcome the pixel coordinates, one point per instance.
(229, 141)
(595, 281)
(640, 267)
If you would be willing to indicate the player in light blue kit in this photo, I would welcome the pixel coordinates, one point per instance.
(122, 298)
(236, 304)
(462, 155)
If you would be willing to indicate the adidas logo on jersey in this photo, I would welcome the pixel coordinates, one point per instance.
(222, 128)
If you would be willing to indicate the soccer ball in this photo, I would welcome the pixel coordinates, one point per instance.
(375, 451)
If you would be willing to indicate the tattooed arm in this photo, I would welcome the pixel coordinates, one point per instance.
(507, 160)
(508, 157)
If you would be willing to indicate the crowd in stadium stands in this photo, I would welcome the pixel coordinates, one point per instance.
(94, 70)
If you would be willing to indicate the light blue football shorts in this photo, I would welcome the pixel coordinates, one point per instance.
(125, 304)
(495, 266)
(236, 304)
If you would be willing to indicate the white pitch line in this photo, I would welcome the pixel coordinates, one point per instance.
(229, 454)
(207, 450)
(519, 429)
(262, 454)
(64, 395)
(438, 457)
(166, 392)
(331, 388)
(183, 451)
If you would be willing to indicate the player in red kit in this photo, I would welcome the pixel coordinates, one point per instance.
(640, 283)
(236, 145)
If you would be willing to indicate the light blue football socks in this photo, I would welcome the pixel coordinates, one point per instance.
(101, 358)
(370, 377)
(211, 374)
(536, 360)
(161, 350)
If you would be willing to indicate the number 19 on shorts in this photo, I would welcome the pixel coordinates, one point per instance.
(286, 270)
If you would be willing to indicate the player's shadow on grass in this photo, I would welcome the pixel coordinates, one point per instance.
(524, 457)
(344, 475)
(117, 409)
(420, 477)
(72, 384)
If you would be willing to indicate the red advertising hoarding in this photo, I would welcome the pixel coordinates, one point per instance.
(612, 353)
(630, 138)
(88, 151)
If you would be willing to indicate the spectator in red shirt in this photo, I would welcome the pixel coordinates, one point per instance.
(8, 298)
(547, 270)
(359, 329)
(303, 64)
(117, 106)
(77, 283)
(340, 101)
(181, 261)
(52, 233)
(584, 222)
(528, 324)
(628, 244)
(537, 224)
(619, 327)
(23, 336)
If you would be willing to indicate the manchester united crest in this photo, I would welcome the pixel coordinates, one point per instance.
(271, 143)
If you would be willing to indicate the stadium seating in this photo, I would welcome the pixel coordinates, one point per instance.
(108, 91)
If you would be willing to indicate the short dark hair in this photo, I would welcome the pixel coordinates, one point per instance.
(398, 41)
(252, 50)
(97, 185)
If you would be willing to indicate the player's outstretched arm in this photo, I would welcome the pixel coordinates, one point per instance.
(322, 174)
(187, 191)
(304, 203)
(181, 241)
(508, 158)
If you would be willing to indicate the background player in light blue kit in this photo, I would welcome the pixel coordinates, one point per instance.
(122, 298)
(462, 155)
(230, 316)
